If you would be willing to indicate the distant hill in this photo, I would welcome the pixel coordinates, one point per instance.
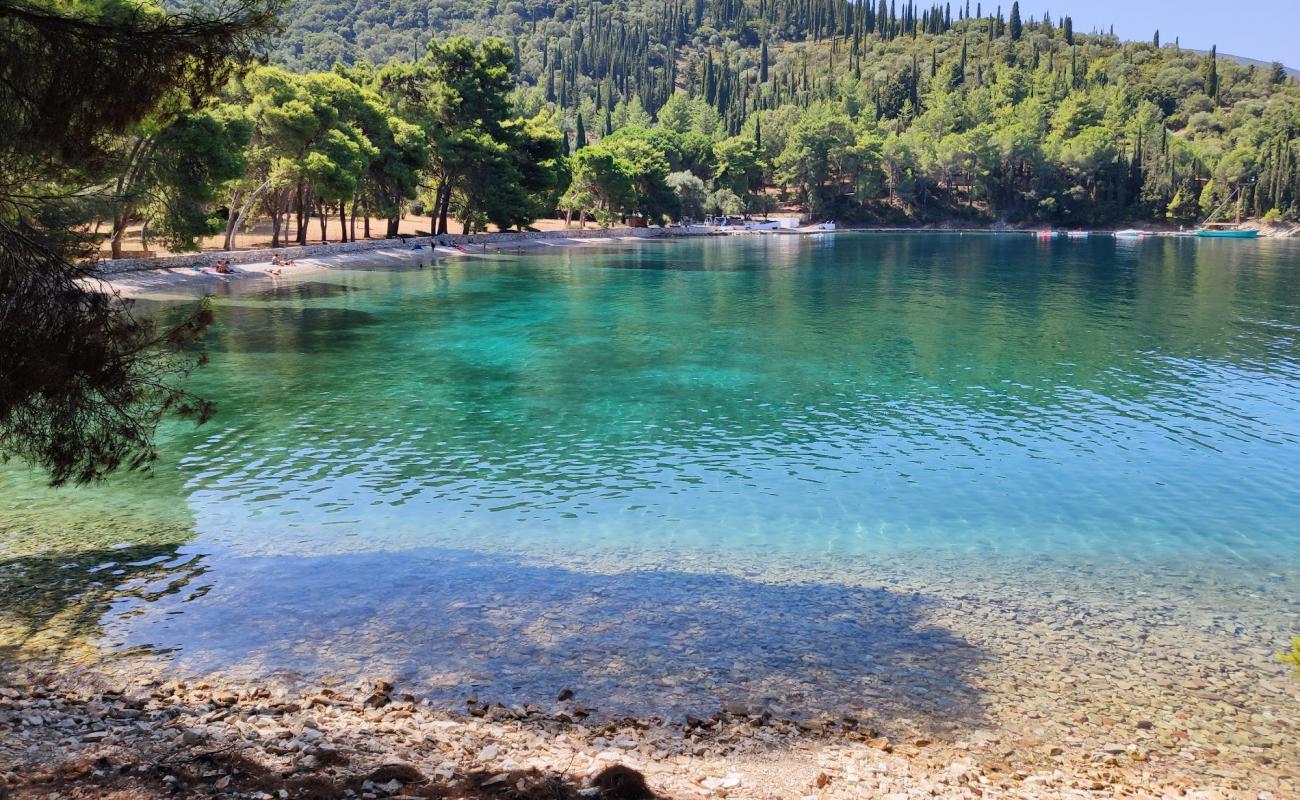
(982, 116)
(1291, 72)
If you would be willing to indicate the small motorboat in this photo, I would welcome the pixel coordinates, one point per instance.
(1077, 234)
(1130, 233)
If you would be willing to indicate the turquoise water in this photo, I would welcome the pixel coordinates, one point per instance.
(396, 445)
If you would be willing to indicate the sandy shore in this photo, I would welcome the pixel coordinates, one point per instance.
(189, 280)
(160, 280)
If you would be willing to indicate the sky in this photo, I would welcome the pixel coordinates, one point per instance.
(1266, 30)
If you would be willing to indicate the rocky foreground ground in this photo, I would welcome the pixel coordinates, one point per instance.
(77, 738)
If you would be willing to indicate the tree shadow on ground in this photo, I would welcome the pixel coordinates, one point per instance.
(454, 625)
(51, 605)
(195, 774)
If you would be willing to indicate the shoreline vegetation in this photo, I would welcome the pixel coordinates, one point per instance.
(931, 117)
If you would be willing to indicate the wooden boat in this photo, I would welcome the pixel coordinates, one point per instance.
(1226, 230)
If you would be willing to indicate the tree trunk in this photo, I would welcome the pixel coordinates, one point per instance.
(392, 227)
(353, 232)
(435, 213)
(232, 220)
(135, 165)
(343, 221)
(235, 219)
(444, 207)
(301, 213)
(275, 229)
(120, 220)
(324, 220)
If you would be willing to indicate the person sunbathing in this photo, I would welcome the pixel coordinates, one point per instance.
(223, 267)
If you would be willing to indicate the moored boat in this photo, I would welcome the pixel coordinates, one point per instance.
(1227, 233)
(1129, 233)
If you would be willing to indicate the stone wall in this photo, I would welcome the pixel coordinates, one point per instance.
(209, 258)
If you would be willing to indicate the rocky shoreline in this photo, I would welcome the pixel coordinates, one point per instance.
(80, 737)
(1010, 680)
(1115, 683)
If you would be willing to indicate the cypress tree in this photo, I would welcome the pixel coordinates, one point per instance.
(1067, 25)
(580, 137)
(1155, 40)
(1212, 72)
(1015, 26)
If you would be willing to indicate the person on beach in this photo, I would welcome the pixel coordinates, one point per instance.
(223, 267)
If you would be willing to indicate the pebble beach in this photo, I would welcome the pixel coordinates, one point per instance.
(1070, 691)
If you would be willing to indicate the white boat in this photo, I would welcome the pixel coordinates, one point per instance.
(1129, 233)
(826, 226)
(1077, 234)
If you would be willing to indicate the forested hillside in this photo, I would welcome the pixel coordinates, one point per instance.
(888, 112)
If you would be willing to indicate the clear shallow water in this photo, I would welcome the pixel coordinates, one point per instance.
(406, 461)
